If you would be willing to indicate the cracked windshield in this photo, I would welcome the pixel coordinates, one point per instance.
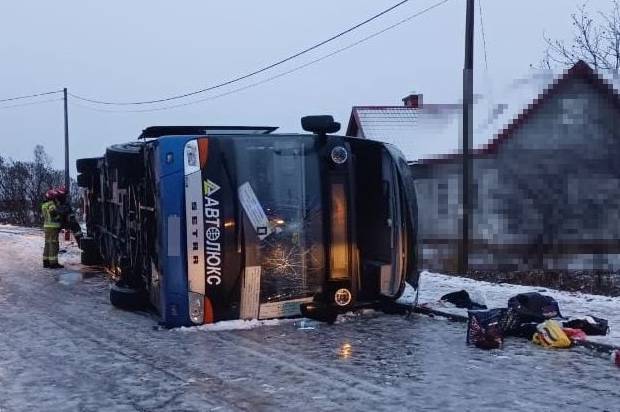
(279, 189)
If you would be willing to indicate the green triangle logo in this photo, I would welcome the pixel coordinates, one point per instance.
(209, 187)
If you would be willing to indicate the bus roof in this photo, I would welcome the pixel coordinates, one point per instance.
(155, 132)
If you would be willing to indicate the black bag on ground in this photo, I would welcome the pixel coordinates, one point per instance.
(533, 307)
(461, 299)
(512, 325)
(590, 325)
(484, 329)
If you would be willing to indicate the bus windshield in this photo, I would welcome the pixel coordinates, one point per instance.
(279, 190)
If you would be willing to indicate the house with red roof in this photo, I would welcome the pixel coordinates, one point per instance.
(546, 172)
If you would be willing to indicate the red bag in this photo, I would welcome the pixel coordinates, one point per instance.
(575, 334)
(617, 357)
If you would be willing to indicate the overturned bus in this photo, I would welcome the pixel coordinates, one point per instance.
(215, 223)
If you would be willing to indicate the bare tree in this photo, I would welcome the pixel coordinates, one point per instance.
(42, 177)
(23, 186)
(14, 204)
(596, 40)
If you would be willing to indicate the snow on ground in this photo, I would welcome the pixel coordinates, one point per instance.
(300, 323)
(63, 347)
(237, 324)
(496, 295)
(432, 287)
(31, 243)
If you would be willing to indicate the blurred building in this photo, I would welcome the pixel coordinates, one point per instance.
(546, 172)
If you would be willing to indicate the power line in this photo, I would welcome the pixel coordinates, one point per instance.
(294, 69)
(29, 96)
(31, 103)
(245, 76)
(491, 93)
(484, 40)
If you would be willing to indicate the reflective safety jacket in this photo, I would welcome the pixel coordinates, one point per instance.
(51, 217)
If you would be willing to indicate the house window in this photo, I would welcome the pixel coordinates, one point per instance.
(442, 198)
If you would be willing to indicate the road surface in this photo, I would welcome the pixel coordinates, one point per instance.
(63, 347)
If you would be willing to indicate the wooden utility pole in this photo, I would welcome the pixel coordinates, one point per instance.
(468, 100)
(67, 181)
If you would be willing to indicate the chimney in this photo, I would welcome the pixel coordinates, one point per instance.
(413, 100)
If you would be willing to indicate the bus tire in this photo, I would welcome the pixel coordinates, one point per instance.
(126, 158)
(84, 180)
(126, 298)
(391, 307)
(90, 258)
(319, 312)
(90, 252)
(87, 165)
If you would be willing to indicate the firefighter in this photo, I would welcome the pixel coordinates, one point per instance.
(51, 229)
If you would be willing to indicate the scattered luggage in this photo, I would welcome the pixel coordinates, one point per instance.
(534, 307)
(591, 325)
(518, 329)
(616, 357)
(484, 328)
(575, 334)
(462, 299)
(551, 335)
(528, 315)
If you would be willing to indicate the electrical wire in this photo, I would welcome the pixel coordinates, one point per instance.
(255, 72)
(277, 76)
(484, 39)
(31, 103)
(490, 91)
(29, 96)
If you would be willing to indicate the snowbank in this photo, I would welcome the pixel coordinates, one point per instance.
(237, 324)
(300, 323)
(31, 241)
(572, 304)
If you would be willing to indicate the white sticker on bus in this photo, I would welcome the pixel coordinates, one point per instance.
(254, 210)
(250, 293)
(282, 309)
(195, 233)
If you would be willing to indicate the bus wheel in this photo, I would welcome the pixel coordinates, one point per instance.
(127, 159)
(127, 298)
(90, 252)
(318, 312)
(87, 165)
(83, 180)
(391, 307)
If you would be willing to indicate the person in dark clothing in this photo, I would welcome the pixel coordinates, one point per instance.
(67, 216)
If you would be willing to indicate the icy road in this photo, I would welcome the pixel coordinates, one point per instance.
(63, 347)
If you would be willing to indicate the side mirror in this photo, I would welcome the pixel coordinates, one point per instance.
(319, 124)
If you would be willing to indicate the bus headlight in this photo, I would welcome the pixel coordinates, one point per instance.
(342, 297)
(191, 154)
(191, 157)
(196, 307)
(339, 155)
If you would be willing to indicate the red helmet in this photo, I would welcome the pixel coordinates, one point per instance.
(50, 194)
(60, 194)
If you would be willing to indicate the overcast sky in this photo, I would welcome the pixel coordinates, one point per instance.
(145, 49)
